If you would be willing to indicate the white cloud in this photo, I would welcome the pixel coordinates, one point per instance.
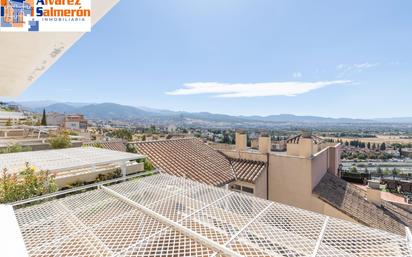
(227, 90)
(365, 65)
(297, 75)
(357, 67)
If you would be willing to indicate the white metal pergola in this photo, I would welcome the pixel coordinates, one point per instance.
(163, 215)
(61, 160)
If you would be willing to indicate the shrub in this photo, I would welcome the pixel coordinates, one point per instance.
(122, 134)
(60, 141)
(25, 185)
(109, 176)
(148, 166)
(130, 148)
(16, 149)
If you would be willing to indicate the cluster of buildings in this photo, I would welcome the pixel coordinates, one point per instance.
(75, 122)
(304, 176)
(406, 152)
(10, 118)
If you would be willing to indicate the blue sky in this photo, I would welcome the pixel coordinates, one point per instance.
(327, 58)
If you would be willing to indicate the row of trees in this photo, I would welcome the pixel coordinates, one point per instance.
(379, 171)
(124, 134)
(368, 145)
(365, 156)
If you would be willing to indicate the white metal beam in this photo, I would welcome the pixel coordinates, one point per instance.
(408, 236)
(180, 228)
(321, 235)
(180, 220)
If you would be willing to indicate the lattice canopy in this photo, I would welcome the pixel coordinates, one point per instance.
(163, 215)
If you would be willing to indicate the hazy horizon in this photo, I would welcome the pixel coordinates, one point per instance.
(145, 107)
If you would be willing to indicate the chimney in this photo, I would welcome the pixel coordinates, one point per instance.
(306, 147)
(306, 144)
(265, 143)
(241, 141)
(374, 196)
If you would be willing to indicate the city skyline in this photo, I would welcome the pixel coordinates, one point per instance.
(242, 58)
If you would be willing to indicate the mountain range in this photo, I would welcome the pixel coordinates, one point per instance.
(113, 111)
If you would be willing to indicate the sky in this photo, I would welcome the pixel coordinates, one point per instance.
(243, 57)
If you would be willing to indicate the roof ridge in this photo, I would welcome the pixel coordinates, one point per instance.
(243, 159)
(164, 140)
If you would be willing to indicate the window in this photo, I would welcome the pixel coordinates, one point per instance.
(240, 188)
(247, 190)
(236, 187)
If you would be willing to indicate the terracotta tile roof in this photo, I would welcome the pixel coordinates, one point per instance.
(351, 200)
(190, 158)
(247, 171)
(110, 145)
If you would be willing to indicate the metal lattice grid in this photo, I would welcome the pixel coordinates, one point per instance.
(64, 159)
(163, 215)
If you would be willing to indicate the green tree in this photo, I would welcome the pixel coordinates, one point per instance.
(122, 134)
(379, 171)
(383, 146)
(60, 141)
(43, 118)
(354, 170)
(368, 145)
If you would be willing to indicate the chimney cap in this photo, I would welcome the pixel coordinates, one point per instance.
(307, 134)
(242, 132)
(264, 134)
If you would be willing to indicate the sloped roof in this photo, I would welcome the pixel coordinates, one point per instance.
(110, 145)
(350, 200)
(190, 158)
(163, 215)
(246, 170)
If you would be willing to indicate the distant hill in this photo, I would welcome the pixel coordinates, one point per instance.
(112, 111)
(308, 119)
(395, 120)
(99, 111)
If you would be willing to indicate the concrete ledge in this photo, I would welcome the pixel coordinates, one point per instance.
(11, 240)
